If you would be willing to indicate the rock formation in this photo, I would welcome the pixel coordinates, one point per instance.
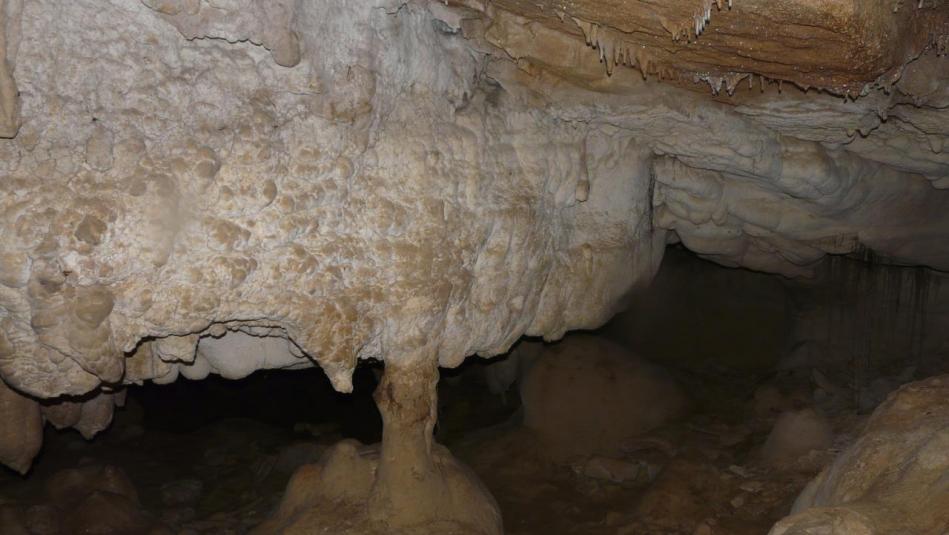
(22, 433)
(409, 483)
(892, 479)
(417, 182)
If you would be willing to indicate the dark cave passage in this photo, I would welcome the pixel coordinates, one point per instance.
(291, 400)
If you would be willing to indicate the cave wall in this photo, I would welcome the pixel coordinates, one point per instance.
(868, 322)
(864, 326)
(410, 181)
(698, 315)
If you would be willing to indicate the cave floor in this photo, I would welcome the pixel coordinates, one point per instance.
(698, 476)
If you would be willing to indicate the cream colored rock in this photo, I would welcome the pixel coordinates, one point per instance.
(892, 480)
(238, 354)
(359, 242)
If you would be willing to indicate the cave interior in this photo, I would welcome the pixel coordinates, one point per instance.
(474, 267)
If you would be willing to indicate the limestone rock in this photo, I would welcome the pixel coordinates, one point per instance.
(330, 495)
(238, 354)
(369, 197)
(892, 479)
(121, 232)
(360, 180)
(62, 413)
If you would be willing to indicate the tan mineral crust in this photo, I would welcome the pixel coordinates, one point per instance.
(217, 186)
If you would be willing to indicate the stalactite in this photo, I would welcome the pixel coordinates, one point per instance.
(613, 50)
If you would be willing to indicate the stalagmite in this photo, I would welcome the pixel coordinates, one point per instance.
(407, 484)
(418, 482)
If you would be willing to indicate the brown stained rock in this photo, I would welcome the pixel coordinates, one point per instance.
(21, 429)
(93, 305)
(830, 44)
(90, 230)
(14, 269)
